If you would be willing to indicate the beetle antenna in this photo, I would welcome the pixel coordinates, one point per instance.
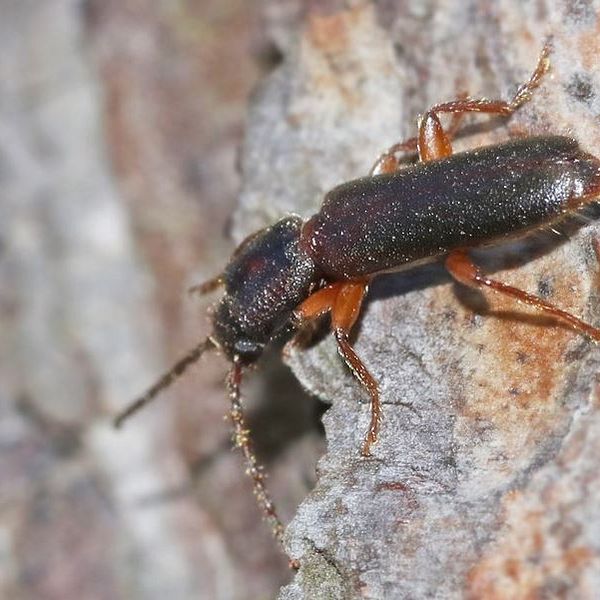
(242, 440)
(206, 287)
(165, 380)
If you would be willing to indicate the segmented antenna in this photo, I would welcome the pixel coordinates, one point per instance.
(166, 380)
(207, 287)
(242, 440)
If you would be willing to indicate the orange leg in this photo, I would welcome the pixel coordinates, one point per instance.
(343, 300)
(319, 303)
(388, 161)
(343, 316)
(316, 305)
(433, 142)
(464, 270)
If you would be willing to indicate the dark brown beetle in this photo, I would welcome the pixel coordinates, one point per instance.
(294, 271)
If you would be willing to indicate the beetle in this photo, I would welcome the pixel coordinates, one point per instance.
(440, 207)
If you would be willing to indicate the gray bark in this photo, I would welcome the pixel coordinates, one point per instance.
(485, 480)
(119, 123)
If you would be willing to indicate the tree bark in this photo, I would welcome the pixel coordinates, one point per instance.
(485, 479)
(120, 123)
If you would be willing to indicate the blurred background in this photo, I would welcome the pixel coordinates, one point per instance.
(120, 127)
(121, 123)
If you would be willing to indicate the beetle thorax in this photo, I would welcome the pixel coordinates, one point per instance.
(267, 277)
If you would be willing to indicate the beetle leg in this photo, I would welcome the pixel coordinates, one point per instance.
(433, 142)
(343, 316)
(368, 382)
(316, 305)
(388, 161)
(343, 300)
(464, 270)
(319, 303)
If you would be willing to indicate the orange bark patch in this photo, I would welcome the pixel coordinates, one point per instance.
(513, 360)
(330, 32)
(542, 549)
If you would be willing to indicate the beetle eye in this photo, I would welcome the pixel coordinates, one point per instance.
(248, 350)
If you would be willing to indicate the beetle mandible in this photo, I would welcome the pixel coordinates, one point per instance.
(296, 270)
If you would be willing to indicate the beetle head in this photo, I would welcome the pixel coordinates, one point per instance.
(267, 277)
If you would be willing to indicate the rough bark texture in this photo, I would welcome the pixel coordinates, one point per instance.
(119, 122)
(485, 481)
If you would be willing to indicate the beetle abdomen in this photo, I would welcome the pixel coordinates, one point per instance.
(384, 222)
